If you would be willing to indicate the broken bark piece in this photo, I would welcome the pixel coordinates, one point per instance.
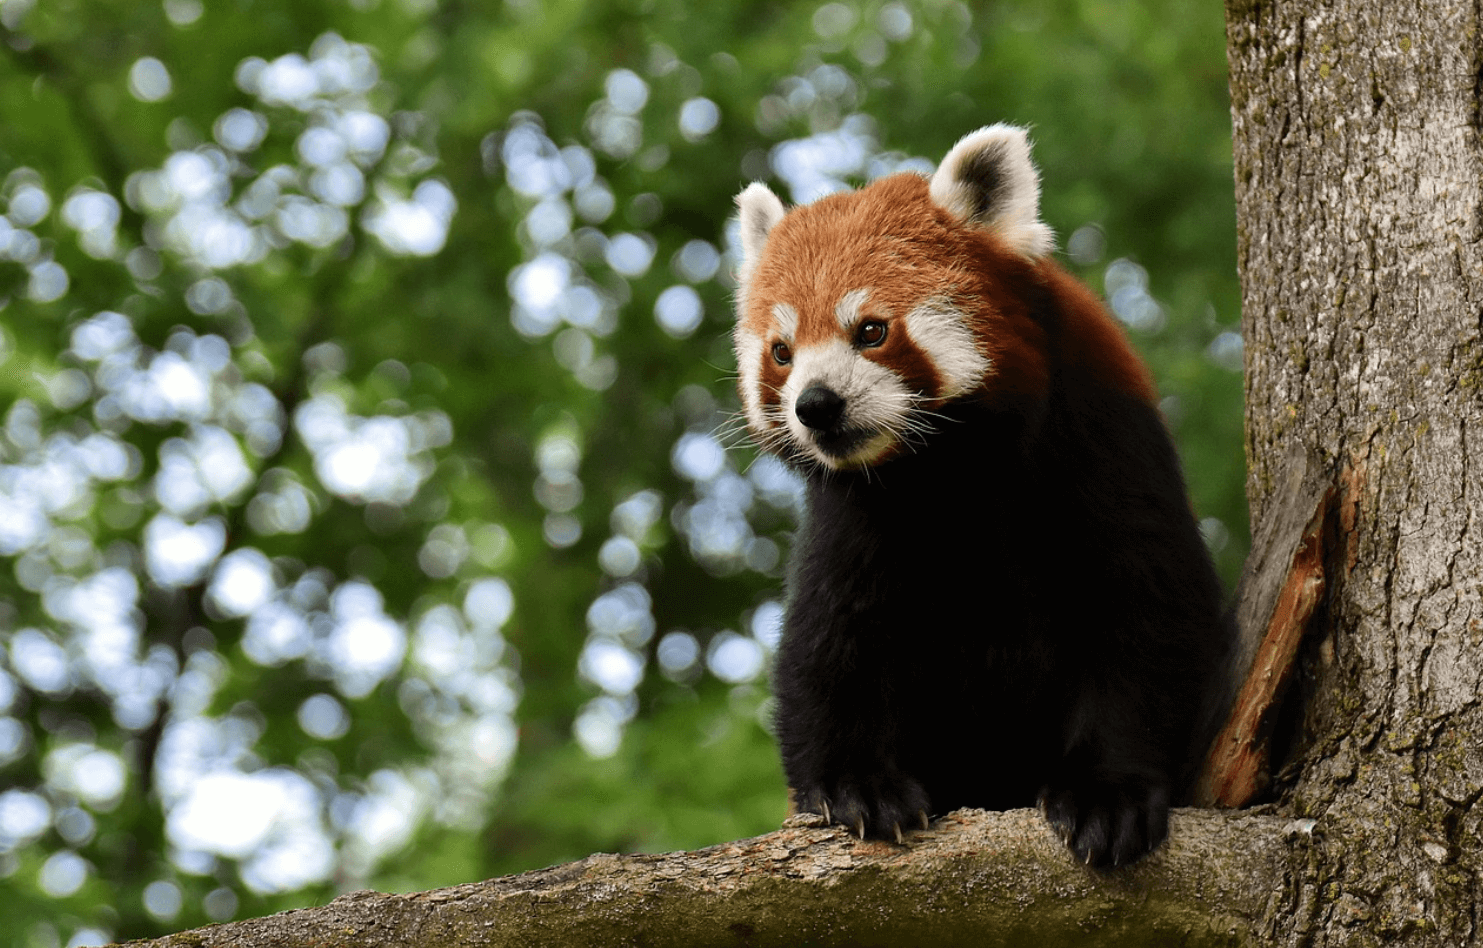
(1280, 591)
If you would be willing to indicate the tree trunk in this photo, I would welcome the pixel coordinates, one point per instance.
(1358, 164)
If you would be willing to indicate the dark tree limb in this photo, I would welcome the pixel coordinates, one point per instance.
(975, 878)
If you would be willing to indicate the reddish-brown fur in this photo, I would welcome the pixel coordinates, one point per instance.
(892, 239)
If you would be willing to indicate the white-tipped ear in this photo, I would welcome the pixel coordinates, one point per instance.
(988, 180)
(760, 212)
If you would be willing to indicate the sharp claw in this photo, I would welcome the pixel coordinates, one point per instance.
(826, 812)
(925, 823)
(860, 827)
(897, 828)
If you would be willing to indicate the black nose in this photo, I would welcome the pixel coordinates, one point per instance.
(819, 408)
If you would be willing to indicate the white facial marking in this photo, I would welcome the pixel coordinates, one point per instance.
(941, 331)
(785, 318)
(875, 398)
(749, 368)
(847, 310)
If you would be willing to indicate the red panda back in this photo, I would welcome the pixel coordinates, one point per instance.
(1094, 347)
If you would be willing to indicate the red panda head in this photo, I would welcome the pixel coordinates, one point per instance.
(862, 313)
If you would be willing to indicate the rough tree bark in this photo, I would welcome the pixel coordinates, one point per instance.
(975, 879)
(1358, 165)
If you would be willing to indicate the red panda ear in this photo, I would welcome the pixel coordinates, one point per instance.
(989, 181)
(760, 212)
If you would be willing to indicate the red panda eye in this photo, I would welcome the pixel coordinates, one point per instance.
(781, 354)
(871, 334)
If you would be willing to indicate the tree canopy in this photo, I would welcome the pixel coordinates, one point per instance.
(372, 504)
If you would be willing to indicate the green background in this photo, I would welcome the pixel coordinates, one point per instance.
(399, 411)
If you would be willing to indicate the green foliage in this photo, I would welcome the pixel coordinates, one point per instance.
(361, 367)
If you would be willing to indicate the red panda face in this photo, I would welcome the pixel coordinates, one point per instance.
(861, 314)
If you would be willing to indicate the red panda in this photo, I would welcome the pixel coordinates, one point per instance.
(998, 595)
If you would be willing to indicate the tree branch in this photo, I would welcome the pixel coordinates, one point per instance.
(975, 878)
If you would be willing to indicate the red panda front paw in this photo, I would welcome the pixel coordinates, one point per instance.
(1108, 824)
(879, 806)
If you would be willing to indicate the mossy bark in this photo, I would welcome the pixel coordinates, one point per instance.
(975, 878)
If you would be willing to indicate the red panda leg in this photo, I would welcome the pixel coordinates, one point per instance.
(1108, 797)
(1108, 823)
(839, 730)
